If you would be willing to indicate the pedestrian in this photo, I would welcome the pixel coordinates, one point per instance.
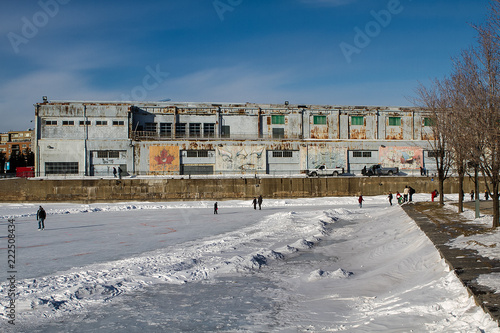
(114, 172)
(390, 198)
(421, 171)
(411, 192)
(40, 216)
(215, 208)
(360, 200)
(472, 195)
(486, 195)
(254, 202)
(260, 201)
(434, 194)
(405, 193)
(119, 173)
(399, 197)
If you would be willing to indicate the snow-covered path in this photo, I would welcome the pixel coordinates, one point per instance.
(297, 265)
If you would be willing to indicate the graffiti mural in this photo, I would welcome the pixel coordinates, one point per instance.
(401, 157)
(240, 158)
(329, 156)
(164, 158)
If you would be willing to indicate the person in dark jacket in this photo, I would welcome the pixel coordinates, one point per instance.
(216, 209)
(260, 201)
(390, 198)
(40, 216)
(254, 202)
(411, 193)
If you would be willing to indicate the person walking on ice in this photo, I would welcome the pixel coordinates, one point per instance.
(390, 198)
(254, 202)
(40, 216)
(360, 200)
(215, 208)
(260, 202)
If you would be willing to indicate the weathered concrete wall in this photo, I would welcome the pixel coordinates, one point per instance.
(160, 189)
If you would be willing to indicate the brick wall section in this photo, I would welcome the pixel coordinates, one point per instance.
(161, 189)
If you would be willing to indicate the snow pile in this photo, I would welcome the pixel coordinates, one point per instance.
(321, 274)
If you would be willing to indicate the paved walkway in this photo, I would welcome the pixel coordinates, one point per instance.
(441, 226)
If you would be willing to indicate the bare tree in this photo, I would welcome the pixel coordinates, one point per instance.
(432, 99)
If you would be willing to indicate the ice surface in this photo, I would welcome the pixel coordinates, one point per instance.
(296, 265)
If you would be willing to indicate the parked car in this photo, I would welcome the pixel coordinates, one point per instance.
(323, 171)
(379, 170)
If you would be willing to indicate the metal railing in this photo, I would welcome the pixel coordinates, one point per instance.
(145, 135)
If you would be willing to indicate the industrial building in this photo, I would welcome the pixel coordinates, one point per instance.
(168, 138)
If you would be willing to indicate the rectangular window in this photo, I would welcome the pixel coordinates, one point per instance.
(319, 120)
(68, 122)
(180, 130)
(361, 154)
(358, 120)
(101, 123)
(278, 133)
(394, 121)
(58, 168)
(194, 129)
(84, 122)
(225, 131)
(166, 129)
(278, 119)
(284, 153)
(150, 127)
(208, 130)
(118, 123)
(196, 153)
(432, 154)
(113, 154)
(427, 121)
(108, 154)
(51, 122)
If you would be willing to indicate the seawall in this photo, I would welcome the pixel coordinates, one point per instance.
(163, 189)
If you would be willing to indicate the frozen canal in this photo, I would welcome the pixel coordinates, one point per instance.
(304, 265)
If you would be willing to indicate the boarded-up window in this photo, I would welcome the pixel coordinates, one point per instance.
(278, 133)
(319, 120)
(427, 121)
(357, 120)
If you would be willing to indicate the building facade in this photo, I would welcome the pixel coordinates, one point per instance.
(165, 138)
(16, 141)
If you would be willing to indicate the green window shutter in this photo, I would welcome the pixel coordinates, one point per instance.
(277, 119)
(357, 120)
(427, 122)
(319, 120)
(394, 121)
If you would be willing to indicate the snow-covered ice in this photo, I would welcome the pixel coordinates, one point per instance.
(298, 265)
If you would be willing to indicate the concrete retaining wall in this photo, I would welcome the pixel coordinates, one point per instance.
(161, 189)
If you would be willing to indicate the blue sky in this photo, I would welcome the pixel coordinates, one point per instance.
(340, 52)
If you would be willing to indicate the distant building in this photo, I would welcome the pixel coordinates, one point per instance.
(90, 138)
(16, 141)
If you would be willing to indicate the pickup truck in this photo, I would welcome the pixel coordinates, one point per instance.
(323, 171)
(378, 170)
